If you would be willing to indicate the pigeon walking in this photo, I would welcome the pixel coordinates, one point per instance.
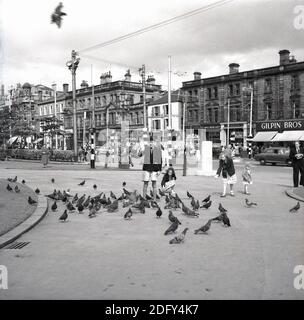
(54, 206)
(128, 214)
(81, 183)
(113, 206)
(189, 195)
(17, 190)
(64, 216)
(37, 191)
(173, 227)
(124, 184)
(250, 204)
(53, 180)
(295, 208)
(207, 199)
(180, 238)
(31, 201)
(206, 205)
(23, 181)
(172, 218)
(159, 213)
(80, 208)
(204, 228)
(9, 188)
(221, 208)
(112, 195)
(94, 186)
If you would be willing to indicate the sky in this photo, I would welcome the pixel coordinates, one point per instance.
(249, 32)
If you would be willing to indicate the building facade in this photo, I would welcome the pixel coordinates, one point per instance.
(158, 113)
(114, 102)
(222, 104)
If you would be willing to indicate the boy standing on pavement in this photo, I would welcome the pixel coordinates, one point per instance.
(152, 165)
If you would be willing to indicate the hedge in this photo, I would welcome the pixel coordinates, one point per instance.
(36, 154)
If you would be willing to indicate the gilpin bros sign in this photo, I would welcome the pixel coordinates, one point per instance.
(281, 125)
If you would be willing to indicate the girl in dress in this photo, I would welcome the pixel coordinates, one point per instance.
(226, 168)
(247, 178)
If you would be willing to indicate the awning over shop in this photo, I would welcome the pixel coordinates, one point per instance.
(294, 135)
(264, 136)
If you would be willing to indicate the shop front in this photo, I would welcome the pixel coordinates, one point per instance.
(238, 133)
(280, 132)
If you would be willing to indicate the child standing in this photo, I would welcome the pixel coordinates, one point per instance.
(226, 168)
(247, 178)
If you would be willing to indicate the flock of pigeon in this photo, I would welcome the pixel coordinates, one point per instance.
(134, 203)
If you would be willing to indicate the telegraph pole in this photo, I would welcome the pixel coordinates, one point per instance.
(72, 65)
(93, 137)
(184, 135)
(169, 93)
(143, 77)
(228, 124)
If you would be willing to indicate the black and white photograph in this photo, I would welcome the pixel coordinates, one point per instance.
(151, 151)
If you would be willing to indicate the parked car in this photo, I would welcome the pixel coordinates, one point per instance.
(274, 155)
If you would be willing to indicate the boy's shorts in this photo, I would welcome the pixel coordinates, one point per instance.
(147, 176)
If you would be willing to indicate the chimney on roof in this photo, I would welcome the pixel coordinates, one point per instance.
(284, 56)
(151, 80)
(102, 79)
(292, 59)
(65, 87)
(197, 75)
(84, 84)
(233, 68)
(108, 77)
(128, 76)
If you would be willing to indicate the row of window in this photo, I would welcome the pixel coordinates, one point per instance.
(160, 110)
(101, 120)
(156, 124)
(48, 110)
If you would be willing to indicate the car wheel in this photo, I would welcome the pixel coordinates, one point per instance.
(273, 163)
(262, 162)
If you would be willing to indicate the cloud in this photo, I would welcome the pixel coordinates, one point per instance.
(250, 32)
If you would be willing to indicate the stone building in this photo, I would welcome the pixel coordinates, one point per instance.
(114, 102)
(278, 94)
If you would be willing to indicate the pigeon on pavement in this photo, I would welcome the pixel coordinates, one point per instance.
(180, 238)
(295, 208)
(172, 218)
(81, 183)
(173, 227)
(31, 201)
(159, 213)
(128, 214)
(64, 216)
(221, 208)
(250, 204)
(37, 191)
(204, 228)
(189, 195)
(207, 205)
(207, 199)
(9, 188)
(17, 190)
(54, 206)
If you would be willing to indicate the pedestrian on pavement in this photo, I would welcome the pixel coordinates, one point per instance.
(107, 158)
(168, 181)
(226, 168)
(247, 178)
(44, 158)
(296, 157)
(152, 165)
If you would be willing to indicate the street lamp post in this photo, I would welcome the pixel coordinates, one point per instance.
(72, 65)
(250, 119)
(228, 123)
